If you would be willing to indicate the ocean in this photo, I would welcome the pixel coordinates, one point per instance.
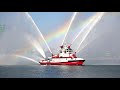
(39, 71)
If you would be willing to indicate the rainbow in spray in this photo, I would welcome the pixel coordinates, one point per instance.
(60, 33)
(57, 34)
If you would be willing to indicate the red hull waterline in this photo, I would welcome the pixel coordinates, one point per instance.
(80, 62)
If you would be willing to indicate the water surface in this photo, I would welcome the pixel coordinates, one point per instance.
(39, 71)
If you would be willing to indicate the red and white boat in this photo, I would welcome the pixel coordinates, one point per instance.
(66, 56)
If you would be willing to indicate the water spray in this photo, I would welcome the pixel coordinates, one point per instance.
(71, 21)
(30, 59)
(90, 21)
(38, 31)
(36, 45)
(84, 45)
(91, 27)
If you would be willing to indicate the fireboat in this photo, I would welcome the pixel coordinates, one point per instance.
(66, 56)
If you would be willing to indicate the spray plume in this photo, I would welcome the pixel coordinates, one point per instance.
(71, 21)
(91, 27)
(38, 31)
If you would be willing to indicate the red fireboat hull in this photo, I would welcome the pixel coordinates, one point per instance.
(79, 62)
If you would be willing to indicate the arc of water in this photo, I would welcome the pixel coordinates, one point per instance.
(90, 21)
(36, 45)
(30, 59)
(85, 45)
(71, 21)
(88, 43)
(91, 27)
(38, 31)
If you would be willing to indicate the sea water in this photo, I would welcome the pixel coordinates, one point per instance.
(43, 71)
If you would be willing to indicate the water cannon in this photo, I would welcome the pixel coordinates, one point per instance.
(69, 46)
(61, 46)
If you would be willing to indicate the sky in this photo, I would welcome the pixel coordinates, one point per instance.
(48, 21)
